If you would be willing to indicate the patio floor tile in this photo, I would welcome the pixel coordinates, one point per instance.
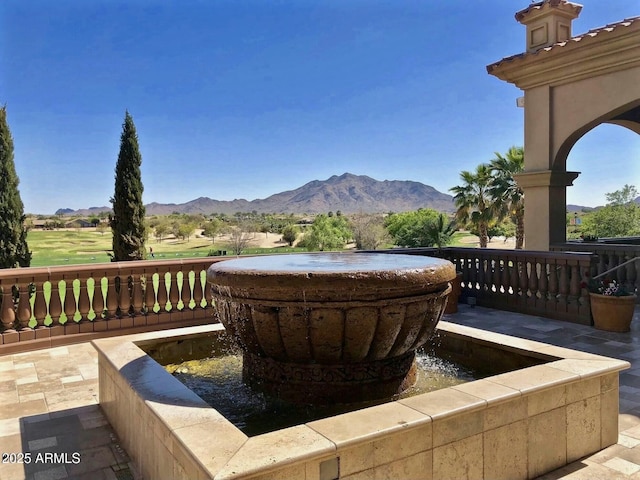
(59, 410)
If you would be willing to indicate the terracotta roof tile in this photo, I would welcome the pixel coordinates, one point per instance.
(554, 3)
(587, 36)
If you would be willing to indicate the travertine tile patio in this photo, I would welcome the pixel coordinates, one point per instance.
(51, 411)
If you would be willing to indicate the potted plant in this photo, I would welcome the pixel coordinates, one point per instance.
(612, 305)
(589, 238)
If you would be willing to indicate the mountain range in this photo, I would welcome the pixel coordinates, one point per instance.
(347, 192)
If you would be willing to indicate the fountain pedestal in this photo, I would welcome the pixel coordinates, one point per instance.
(330, 328)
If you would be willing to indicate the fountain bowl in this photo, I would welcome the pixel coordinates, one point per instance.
(326, 328)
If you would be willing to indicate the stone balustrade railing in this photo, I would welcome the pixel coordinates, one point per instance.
(610, 255)
(547, 284)
(42, 307)
(46, 306)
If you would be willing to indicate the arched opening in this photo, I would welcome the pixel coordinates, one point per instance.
(608, 157)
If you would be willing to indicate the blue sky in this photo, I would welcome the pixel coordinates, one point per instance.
(247, 98)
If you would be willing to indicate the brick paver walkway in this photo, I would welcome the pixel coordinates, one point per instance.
(49, 405)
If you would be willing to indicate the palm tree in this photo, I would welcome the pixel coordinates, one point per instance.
(440, 231)
(507, 194)
(474, 200)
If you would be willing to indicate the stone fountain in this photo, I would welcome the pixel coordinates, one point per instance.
(330, 328)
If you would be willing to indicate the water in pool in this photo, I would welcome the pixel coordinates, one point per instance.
(218, 381)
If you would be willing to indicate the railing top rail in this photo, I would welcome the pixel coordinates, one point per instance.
(496, 252)
(12, 274)
(595, 247)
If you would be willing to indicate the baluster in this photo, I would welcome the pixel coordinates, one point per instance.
(55, 304)
(615, 261)
(7, 313)
(504, 276)
(481, 274)
(574, 283)
(513, 276)
(473, 273)
(69, 302)
(112, 297)
(533, 278)
(174, 294)
(553, 279)
(84, 302)
(149, 294)
(185, 290)
(98, 299)
(622, 272)
(208, 294)
(163, 292)
(24, 306)
(40, 306)
(124, 296)
(563, 286)
(198, 292)
(523, 278)
(602, 264)
(543, 281)
(138, 303)
(495, 276)
(631, 275)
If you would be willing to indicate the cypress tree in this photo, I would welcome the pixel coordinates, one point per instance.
(14, 251)
(127, 220)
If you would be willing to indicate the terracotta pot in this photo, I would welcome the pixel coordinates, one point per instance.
(456, 291)
(610, 313)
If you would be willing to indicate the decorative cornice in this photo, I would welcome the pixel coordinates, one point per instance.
(602, 50)
(572, 9)
(545, 178)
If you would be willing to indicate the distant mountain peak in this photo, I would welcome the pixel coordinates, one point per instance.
(348, 193)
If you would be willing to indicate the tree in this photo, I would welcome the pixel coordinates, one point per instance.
(290, 234)
(161, 230)
(410, 229)
(101, 228)
(507, 195)
(369, 231)
(14, 251)
(328, 233)
(127, 220)
(619, 218)
(212, 228)
(239, 238)
(474, 201)
(440, 232)
(625, 196)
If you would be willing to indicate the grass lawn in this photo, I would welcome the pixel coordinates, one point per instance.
(86, 245)
(69, 247)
